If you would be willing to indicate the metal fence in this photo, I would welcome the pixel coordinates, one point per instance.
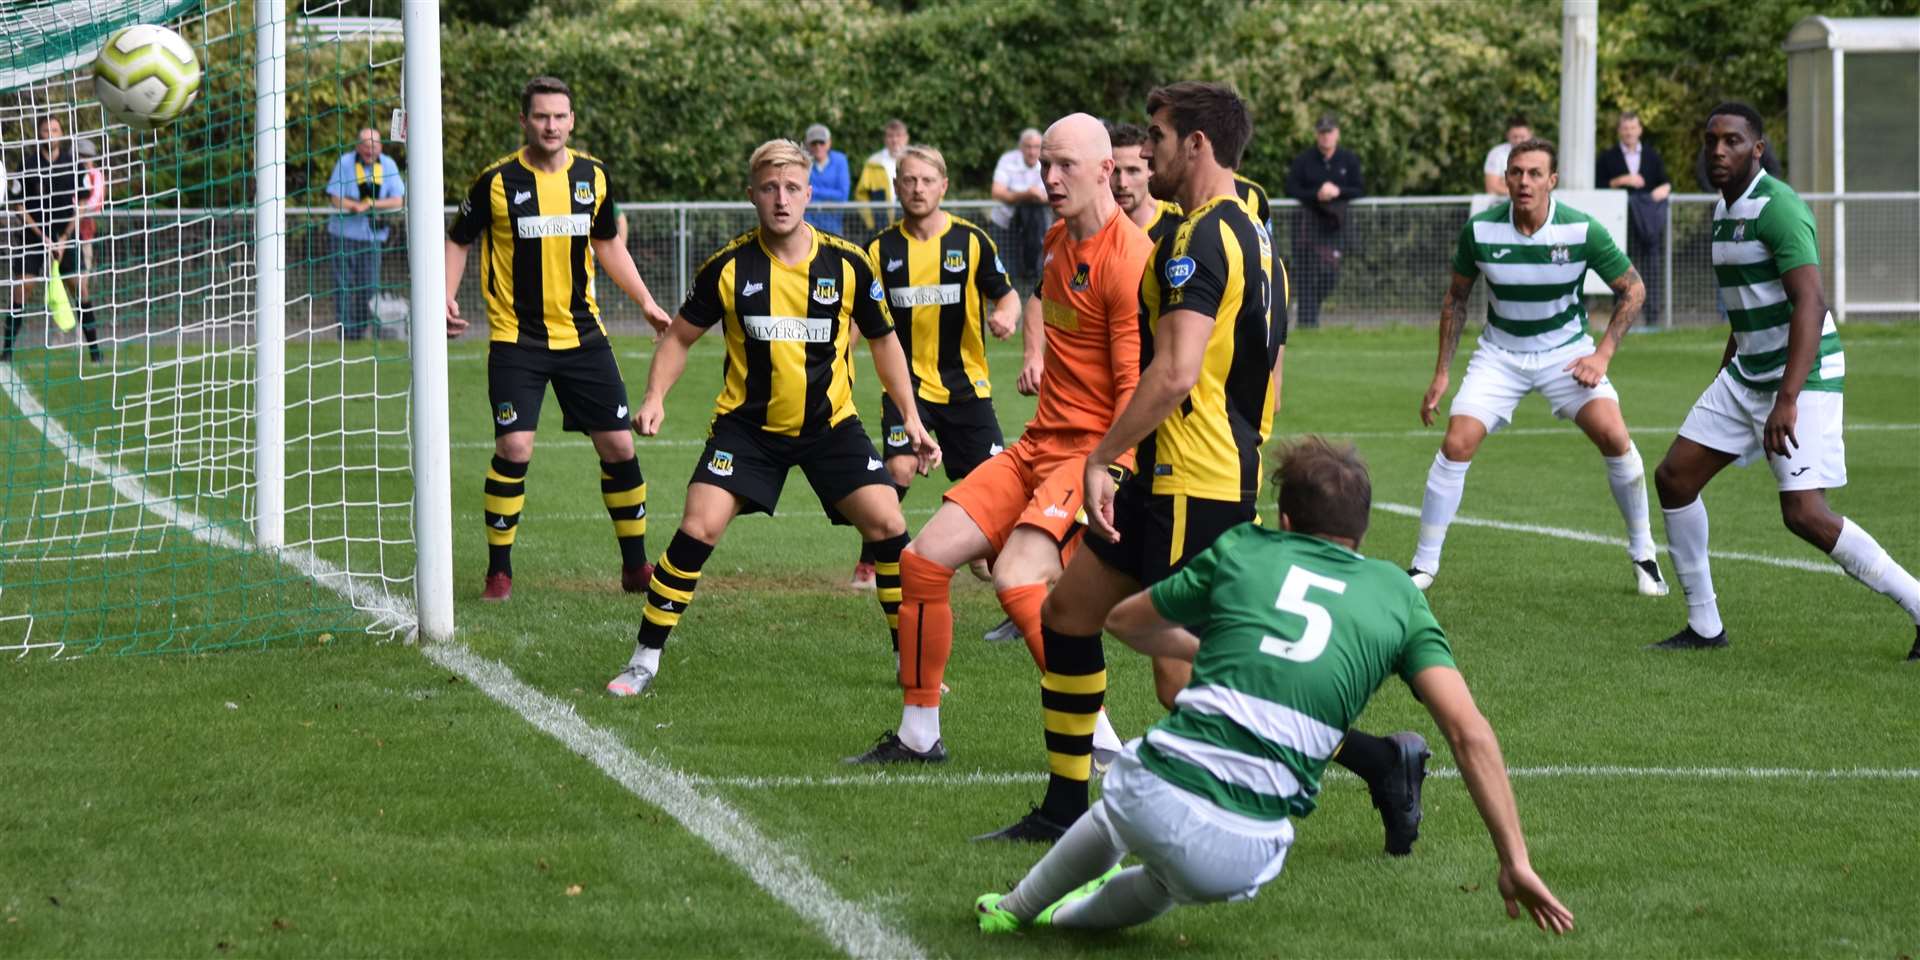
(153, 272)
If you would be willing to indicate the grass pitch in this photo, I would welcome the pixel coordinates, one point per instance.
(348, 796)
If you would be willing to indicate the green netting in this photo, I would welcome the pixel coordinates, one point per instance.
(127, 484)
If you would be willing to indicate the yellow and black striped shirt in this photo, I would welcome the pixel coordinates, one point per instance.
(1166, 218)
(789, 329)
(1253, 199)
(941, 290)
(1218, 263)
(536, 264)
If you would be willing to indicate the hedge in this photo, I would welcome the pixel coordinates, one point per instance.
(673, 95)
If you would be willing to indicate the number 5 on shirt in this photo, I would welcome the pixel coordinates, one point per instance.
(1293, 599)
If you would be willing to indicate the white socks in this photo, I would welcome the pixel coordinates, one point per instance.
(1446, 482)
(1628, 478)
(648, 657)
(1687, 539)
(1862, 558)
(1088, 850)
(919, 727)
(1133, 896)
(1103, 736)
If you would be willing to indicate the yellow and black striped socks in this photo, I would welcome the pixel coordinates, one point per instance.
(1071, 693)
(506, 497)
(624, 492)
(886, 581)
(674, 578)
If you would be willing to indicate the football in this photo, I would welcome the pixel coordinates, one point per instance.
(146, 76)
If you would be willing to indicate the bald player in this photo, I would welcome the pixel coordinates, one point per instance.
(1019, 507)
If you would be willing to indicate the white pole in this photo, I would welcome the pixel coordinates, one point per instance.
(1579, 90)
(1666, 269)
(1839, 187)
(270, 266)
(427, 296)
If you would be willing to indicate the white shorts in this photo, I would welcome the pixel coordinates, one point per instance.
(1498, 379)
(1201, 853)
(1732, 418)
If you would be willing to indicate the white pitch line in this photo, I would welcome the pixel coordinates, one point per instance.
(1434, 433)
(1583, 536)
(854, 929)
(1555, 772)
(1438, 431)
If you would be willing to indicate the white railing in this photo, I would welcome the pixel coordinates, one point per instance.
(1396, 263)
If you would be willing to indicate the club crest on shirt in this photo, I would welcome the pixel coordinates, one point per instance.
(721, 465)
(955, 262)
(897, 435)
(582, 192)
(1179, 271)
(1739, 231)
(1082, 277)
(826, 290)
(1560, 253)
(505, 415)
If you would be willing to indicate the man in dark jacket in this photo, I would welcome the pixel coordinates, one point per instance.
(1636, 168)
(1324, 179)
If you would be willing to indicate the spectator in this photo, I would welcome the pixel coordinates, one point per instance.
(876, 178)
(47, 195)
(364, 180)
(1493, 173)
(1023, 210)
(1324, 178)
(830, 177)
(1636, 168)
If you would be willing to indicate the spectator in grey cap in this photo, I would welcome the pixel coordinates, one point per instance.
(1324, 178)
(830, 177)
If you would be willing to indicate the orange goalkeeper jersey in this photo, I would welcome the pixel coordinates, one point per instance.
(1090, 298)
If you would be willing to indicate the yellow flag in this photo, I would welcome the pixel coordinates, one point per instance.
(57, 303)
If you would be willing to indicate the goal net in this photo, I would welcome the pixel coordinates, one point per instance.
(213, 454)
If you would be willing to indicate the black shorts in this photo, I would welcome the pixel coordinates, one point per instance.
(586, 381)
(969, 432)
(752, 464)
(31, 261)
(1160, 532)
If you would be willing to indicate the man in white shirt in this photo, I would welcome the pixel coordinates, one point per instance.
(876, 175)
(1022, 195)
(1493, 173)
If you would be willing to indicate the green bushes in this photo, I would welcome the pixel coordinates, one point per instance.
(673, 95)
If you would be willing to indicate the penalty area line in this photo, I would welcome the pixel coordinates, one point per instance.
(847, 925)
(1584, 536)
(1553, 772)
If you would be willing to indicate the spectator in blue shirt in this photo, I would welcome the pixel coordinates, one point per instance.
(364, 180)
(831, 178)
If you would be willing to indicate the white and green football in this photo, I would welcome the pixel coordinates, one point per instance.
(146, 76)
